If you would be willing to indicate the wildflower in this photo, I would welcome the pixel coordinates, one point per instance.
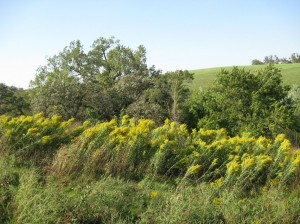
(263, 160)
(217, 183)
(153, 194)
(125, 120)
(285, 146)
(8, 133)
(248, 163)
(296, 161)
(280, 138)
(38, 116)
(274, 181)
(196, 154)
(262, 142)
(264, 189)
(248, 160)
(32, 131)
(233, 167)
(46, 139)
(27, 119)
(231, 157)
(194, 169)
(214, 162)
(217, 201)
(89, 132)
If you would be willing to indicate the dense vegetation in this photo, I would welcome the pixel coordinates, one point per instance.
(100, 137)
(128, 170)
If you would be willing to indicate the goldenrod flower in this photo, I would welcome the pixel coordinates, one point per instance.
(233, 167)
(32, 130)
(46, 139)
(153, 194)
(217, 201)
(263, 160)
(217, 183)
(194, 169)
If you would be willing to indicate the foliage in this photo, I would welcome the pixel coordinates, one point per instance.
(256, 62)
(164, 98)
(178, 91)
(243, 101)
(81, 85)
(13, 101)
(295, 58)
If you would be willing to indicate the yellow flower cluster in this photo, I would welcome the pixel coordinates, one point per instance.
(169, 149)
(263, 160)
(233, 167)
(33, 132)
(217, 183)
(194, 169)
(153, 194)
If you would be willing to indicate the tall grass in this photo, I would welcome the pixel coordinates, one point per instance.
(135, 172)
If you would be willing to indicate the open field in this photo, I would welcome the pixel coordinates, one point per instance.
(203, 78)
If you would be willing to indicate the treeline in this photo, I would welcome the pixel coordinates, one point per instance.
(111, 80)
(274, 59)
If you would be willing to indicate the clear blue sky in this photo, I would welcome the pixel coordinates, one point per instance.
(186, 34)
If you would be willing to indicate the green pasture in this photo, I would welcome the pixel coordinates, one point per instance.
(203, 78)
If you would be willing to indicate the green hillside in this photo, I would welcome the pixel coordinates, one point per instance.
(203, 78)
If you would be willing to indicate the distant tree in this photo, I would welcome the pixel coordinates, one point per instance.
(274, 59)
(285, 61)
(295, 58)
(269, 59)
(256, 62)
(13, 101)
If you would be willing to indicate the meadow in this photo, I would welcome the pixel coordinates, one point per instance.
(203, 78)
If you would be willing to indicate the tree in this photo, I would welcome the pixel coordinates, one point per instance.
(178, 91)
(82, 85)
(13, 101)
(240, 101)
(164, 97)
(256, 62)
(285, 61)
(295, 58)
(59, 86)
(270, 59)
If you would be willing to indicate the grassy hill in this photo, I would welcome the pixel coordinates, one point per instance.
(203, 78)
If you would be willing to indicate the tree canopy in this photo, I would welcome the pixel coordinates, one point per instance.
(240, 101)
(78, 84)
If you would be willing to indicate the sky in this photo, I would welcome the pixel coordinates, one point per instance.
(178, 34)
